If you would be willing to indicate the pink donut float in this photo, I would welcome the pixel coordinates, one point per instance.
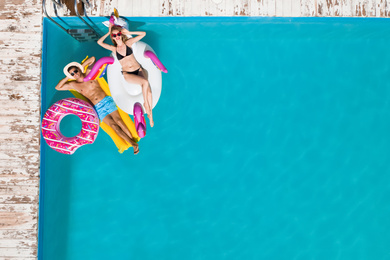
(70, 106)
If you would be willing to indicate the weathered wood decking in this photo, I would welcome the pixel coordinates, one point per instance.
(286, 8)
(20, 57)
(20, 54)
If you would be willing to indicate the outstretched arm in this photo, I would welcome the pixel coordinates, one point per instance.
(64, 84)
(88, 62)
(105, 45)
(130, 41)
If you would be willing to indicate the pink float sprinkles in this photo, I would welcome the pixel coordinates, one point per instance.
(53, 116)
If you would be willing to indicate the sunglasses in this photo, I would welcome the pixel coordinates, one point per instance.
(118, 34)
(74, 72)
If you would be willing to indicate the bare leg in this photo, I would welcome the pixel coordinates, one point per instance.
(150, 101)
(146, 92)
(148, 104)
(121, 129)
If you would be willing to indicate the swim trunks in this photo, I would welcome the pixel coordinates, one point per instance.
(105, 107)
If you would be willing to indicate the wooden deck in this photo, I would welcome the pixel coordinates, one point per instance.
(285, 8)
(21, 41)
(20, 54)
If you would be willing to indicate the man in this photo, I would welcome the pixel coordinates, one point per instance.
(104, 105)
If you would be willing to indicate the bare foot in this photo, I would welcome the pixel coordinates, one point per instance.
(136, 149)
(151, 122)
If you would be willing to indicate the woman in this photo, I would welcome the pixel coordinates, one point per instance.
(131, 69)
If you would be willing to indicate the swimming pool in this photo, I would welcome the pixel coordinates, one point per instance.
(271, 141)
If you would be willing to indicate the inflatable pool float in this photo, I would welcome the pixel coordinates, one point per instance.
(99, 68)
(97, 73)
(126, 94)
(52, 119)
(139, 120)
(116, 20)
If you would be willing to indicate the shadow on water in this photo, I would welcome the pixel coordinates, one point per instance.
(151, 37)
(134, 25)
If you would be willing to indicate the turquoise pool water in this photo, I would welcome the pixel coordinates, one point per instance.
(271, 141)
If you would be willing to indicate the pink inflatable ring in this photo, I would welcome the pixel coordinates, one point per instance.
(70, 106)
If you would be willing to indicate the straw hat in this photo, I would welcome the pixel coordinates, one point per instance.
(75, 64)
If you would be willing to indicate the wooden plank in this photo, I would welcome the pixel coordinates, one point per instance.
(187, 8)
(372, 6)
(380, 8)
(264, 8)
(237, 7)
(195, 8)
(15, 162)
(18, 220)
(308, 8)
(229, 7)
(213, 7)
(23, 243)
(21, 179)
(19, 190)
(154, 9)
(368, 8)
(387, 9)
(357, 7)
(253, 8)
(17, 253)
(279, 8)
(345, 8)
(124, 8)
(171, 7)
(295, 8)
(204, 7)
(287, 8)
(145, 7)
(325, 8)
(11, 234)
(271, 7)
(244, 8)
(18, 199)
(337, 8)
(136, 7)
(164, 7)
(18, 208)
(179, 8)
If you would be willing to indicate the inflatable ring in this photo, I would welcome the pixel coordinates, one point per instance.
(125, 94)
(70, 106)
(96, 69)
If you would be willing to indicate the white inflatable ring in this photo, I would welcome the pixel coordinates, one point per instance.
(125, 94)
